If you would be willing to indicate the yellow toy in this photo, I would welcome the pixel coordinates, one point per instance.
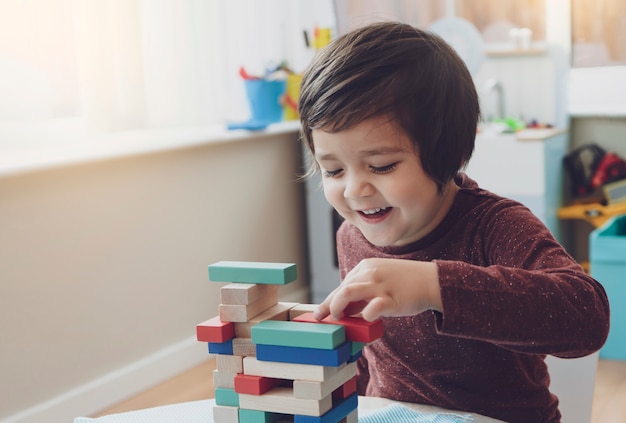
(595, 213)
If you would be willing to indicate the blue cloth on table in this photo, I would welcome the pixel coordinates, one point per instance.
(399, 413)
(188, 412)
(202, 412)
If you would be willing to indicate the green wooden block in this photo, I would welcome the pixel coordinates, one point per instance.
(298, 334)
(357, 347)
(253, 272)
(257, 416)
(225, 396)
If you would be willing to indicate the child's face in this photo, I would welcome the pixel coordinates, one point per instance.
(373, 177)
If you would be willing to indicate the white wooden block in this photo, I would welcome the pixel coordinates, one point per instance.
(244, 347)
(245, 293)
(222, 379)
(225, 414)
(278, 312)
(353, 417)
(229, 363)
(317, 390)
(252, 366)
(281, 400)
(301, 309)
(243, 313)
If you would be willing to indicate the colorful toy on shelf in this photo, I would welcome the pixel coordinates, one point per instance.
(595, 213)
(274, 360)
(590, 166)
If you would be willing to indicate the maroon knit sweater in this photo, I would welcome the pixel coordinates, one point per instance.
(510, 294)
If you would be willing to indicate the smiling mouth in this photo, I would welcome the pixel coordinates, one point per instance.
(374, 212)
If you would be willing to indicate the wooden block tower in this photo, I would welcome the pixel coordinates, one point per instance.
(275, 362)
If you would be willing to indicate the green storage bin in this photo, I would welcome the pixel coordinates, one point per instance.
(607, 245)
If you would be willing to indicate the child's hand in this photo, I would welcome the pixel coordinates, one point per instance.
(384, 287)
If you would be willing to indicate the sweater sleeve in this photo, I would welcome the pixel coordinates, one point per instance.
(522, 291)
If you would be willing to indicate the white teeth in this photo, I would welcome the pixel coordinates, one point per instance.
(374, 211)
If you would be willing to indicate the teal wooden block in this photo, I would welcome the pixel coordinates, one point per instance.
(257, 416)
(225, 396)
(357, 347)
(607, 245)
(253, 272)
(335, 414)
(298, 334)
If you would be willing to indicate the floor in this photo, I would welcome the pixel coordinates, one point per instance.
(609, 402)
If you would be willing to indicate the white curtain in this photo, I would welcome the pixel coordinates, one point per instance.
(75, 67)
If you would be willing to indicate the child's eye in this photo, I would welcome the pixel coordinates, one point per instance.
(383, 169)
(331, 173)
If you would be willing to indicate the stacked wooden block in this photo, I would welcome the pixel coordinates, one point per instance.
(275, 362)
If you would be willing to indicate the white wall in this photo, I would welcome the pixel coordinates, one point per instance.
(103, 266)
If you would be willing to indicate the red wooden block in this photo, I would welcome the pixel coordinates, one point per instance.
(345, 390)
(357, 328)
(255, 385)
(214, 330)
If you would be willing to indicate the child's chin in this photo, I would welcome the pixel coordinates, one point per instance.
(379, 242)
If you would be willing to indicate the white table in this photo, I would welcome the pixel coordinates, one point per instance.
(202, 412)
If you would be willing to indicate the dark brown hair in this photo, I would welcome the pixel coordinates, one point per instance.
(395, 69)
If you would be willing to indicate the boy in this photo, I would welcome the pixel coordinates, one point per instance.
(473, 289)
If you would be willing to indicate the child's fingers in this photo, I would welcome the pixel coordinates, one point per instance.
(349, 299)
(377, 308)
(354, 307)
(323, 309)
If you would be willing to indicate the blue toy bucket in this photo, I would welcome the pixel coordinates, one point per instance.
(264, 98)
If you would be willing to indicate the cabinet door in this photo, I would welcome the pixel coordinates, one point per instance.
(525, 171)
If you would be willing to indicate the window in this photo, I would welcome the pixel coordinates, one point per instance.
(493, 18)
(496, 18)
(74, 68)
(591, 32)
(598, 33)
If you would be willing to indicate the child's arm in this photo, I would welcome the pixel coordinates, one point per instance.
(385, 287)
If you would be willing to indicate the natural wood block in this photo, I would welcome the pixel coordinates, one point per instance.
(245, 293)
(334, 357)
(243, 313)
(352, 417)
(214, 330)
(222, 379)
(281, 400)
(357, 328)
(336, 414)
(229, 363)
(244, 347)
(255, 385)
(280, 311)
(301, 309)
(252, 366)
(324, 388)
(298, 334)
(225, 414)
(253, 272)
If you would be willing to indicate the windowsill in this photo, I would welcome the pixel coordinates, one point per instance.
(125, 144)
(597, 111)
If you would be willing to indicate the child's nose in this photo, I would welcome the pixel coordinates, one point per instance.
(357, 186)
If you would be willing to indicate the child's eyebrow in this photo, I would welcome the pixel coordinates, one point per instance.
(380, 151)
(328, 156)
